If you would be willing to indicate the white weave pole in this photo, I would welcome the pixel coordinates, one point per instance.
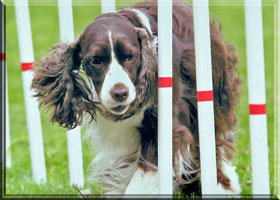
(165, 169)
(108, 6)
(3, 60)
(31, 104)
(277, 140)
(207, 141)
(8, 143)
(75, 156)
(257, 99)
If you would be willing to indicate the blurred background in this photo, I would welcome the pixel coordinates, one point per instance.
(45, 33)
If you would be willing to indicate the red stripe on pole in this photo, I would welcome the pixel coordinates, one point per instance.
(257, 109)
(205, 95)
(2, 56)
(26, 66)
(164, 82)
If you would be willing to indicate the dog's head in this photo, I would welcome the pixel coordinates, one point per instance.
(119, 60)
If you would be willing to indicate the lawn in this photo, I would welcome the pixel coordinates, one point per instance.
(45, 33)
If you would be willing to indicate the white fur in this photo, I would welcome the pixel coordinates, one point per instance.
(143, 183)
(229, 170)
(116, 146)
(185, 163)
(147, 182)
(144, 20)
(93, 91)
(114, 75)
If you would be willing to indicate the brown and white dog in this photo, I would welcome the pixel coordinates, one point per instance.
(109, 76)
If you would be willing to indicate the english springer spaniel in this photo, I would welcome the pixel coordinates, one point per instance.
(108, 78)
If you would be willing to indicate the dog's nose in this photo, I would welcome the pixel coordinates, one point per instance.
(119, 92)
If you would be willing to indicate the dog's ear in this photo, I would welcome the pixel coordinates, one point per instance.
(225, 81)
(147, 74)
(59, 86)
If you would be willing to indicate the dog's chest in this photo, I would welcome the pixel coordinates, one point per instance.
(114, 140)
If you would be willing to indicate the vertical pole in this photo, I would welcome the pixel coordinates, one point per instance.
(31, 104)
(108, 6)
(165, 169)
(8, 143)
(205, 97)
(3, 60)
(277, 139)
(257, 99)
(75, 157)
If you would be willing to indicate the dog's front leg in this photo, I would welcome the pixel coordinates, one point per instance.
(143, 182)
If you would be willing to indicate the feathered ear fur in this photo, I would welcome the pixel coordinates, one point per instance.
(146, 83)
(147, 79)
(59, 86)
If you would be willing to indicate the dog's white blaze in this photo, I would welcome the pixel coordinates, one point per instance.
(116, 74)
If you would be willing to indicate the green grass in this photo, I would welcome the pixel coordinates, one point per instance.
(45, 33)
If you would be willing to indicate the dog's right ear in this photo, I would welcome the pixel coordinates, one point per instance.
(59, 86)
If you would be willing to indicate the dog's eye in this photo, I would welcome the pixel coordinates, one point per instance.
(129, 57)
(95, 61)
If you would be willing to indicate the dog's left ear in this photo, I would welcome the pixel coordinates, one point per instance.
(147, 74)
(59, 86)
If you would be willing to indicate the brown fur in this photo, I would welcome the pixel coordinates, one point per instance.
(61, 89)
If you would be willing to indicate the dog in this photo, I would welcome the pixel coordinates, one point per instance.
(107, 78)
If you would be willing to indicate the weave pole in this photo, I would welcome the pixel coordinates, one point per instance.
(3, 63)
(165, 169)
(108, 6)
(277, 139)
(75, 157)
(207, 141)
(31, 104)
(257, 99)
(8, 143)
